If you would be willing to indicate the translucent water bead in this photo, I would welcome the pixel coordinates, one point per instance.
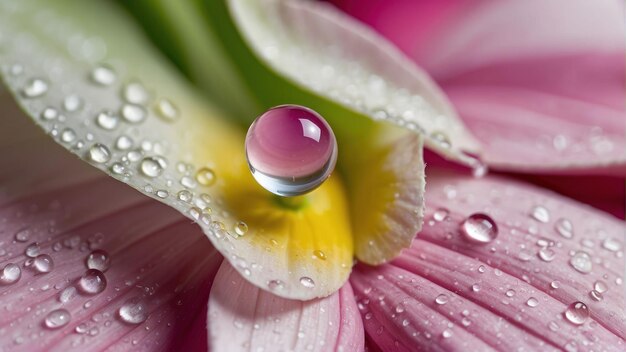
(291, 150)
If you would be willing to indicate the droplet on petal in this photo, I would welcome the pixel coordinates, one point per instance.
(133, 311)
(92, 282)
(479, 228)
(565, 228)
(43, 263)
(57, 318)
(307, 282)
(581, 261)
(103, 75)
(577, 313)
(35, 88)
(98, 260)
(291, 150)
(540, 214)
(10, 274)
(153, 166)
(99, 153)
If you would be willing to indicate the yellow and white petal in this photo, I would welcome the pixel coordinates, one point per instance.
(331, 54)
(86, 76)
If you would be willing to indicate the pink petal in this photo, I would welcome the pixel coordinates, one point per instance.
(243, 317)
(399, 300)
(550, 101)
(70, 209)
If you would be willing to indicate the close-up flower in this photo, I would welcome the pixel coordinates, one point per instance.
(305, 175)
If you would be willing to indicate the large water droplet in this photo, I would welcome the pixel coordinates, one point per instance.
(43, 263)
(10, 274)
(600, 286)
(35, 88)
(99, 260)
(103, 75)
(577, 313)
(123, 142)
(479, 228)
(441, 299)
(134, 311)
(133, 113)
(107, 120)
(307, 282)
(136, 93)
(540, 213)
(153, 166)
(241, 228)
(581, 261)
(22, 235)
(546, 254)
(565, 228)
(92, 282)
(57, 318)
(291, 150)
(99, 153)
(32, 250)
(68, 135)
(205, 176)
(532, 302)
(67, 294)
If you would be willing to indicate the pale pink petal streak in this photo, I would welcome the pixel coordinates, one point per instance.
(242, 317)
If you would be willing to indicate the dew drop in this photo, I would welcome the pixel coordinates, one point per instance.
(476, 287)
(205, 176)
(99, 153)
(441, 139)
(68, 135)
(118, 169)
(540, 214)
(153, 166)
(241, 228)
(291, 150)
(123, 142)
(600, 286)
(49, 114)
(35, 88)
(532, 302)
(274, 285)
(103, 75)
(133, 311)
(92, 282)
(10, 274)
(595, 295)
(479, 228)
(555, 284)
(440, 214)
(167, 110)
(162, 193)
(133, 113)
(482, 269)
(611, 244)
(307, 282)
(99, 260)
(67, 294)
(577, 313)
(581, 261)
(564, 228)
(447, 333)
(136, 93)
(546, 254)
(22, 235)
(32, 250)
(185, 196)
(510, 293)
(72, 103)
(319, 254)
(441, 299)
(399, 308)
(58, 318)
(107, 120)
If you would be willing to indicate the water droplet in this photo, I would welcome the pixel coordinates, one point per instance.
(167, 110)
(43, 263)
(482, 269)
(479, 228)
(540, 214)
(476, 287)
(441, 299)
(35, 88)
(22, 235)
(136, 93)
(123, 142)
(57, 318)
(107, 120)
(49, 114)
(405, 322)
(92, 282)
(241, 228)
(399, 308)
(577, 313)
(32, 250)
(319, 254)
(118, 169)
(67, 294)
(532, 302)
(134, 311)
(133, 113)
(600, 286)
(10, 274)
(205, 176)
(611, 244)
(68, 135)
(153, 166)
(441, 139)
(509, 293)
(581, 261)
(555, 284)
(99, 260)
(185, 196)
(447, 333)
(565, 228)
(99, 153)
(546, 254)
(595, 295)
(274, 285)
(307, 282)
(162, 193)
(103, 75)
(291, 150)
(440, 214)
(72, 103)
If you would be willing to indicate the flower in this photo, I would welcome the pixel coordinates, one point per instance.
(549, 275)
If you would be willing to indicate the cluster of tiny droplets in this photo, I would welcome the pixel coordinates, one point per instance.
(112, 138)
